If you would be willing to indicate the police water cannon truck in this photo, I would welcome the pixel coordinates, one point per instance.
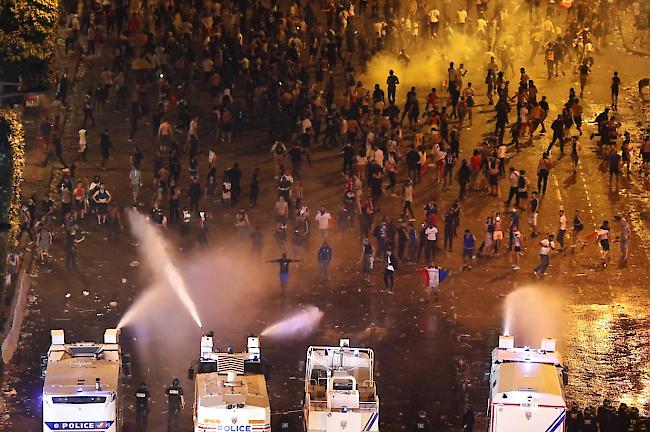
(230, 389)
(340, 391)
(526, 388)
(81, 390)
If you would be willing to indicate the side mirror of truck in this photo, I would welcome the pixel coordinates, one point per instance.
(43, 365)
(190, 374)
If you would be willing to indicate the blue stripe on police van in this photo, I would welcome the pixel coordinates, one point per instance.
(371, 421)
(79, 425)
(558, 421)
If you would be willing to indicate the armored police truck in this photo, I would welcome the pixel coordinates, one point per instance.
(340, 390)
(81, 390)
(230, 389)
(526, 388)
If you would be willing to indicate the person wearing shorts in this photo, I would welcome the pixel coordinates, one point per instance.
(603, 239)
(469, 242)
(518, 246)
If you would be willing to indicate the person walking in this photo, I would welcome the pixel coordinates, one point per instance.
(432, 277)
(141, 407)
(431, 233)
(546, 246)
(561, 230)
(407, 199)
(324, 257)
(469, 244)
(626, 231)
(392, 82)
(468, 419)
(323, 218)
(284, 263)
(389, 272)
(575, 153)
(558, 134)
(578, 227)
(70, 247)
(513, 179)
(616, 84)
(522, 189)
(517, 247)
(543, 169)
(104, 147)
(175, 403)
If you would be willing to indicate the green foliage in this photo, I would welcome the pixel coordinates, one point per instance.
(27, 38)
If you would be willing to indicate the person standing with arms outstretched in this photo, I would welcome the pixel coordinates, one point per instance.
(392, 82)
(284, 269)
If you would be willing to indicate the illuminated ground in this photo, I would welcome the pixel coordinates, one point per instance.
(430, 356)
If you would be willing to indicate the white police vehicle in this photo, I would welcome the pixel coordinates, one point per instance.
(82, 385)
(230, 389)
(526, 388)
(340, 391)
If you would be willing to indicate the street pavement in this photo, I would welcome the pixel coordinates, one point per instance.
(430, 356)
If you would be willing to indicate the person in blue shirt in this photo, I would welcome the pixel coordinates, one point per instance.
(324, 257)
(469, 243)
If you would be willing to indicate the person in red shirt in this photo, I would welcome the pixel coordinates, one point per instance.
(475, 169)
(432, 100)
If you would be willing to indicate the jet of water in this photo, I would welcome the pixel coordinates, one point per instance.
(154, 249)
(299, 324)
(531, 314)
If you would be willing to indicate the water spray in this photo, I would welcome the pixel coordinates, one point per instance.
(157, 257)
(299, 324)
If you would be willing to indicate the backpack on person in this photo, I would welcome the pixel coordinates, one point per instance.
(521, 182)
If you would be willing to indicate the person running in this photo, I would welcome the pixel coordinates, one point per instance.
(284, 262)
(546, 246)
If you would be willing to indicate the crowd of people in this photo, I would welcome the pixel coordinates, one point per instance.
(296, 70)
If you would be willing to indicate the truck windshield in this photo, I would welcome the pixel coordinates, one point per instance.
(77, 400)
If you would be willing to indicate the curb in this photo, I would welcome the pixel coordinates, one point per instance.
(10, 328)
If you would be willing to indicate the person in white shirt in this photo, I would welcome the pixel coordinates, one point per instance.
(323, 219)
(434, 22)
(561, 229)
(481, 27)
(378, 156)
(461, 19)
(546, 246)
(83, 144)
(432, 234)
